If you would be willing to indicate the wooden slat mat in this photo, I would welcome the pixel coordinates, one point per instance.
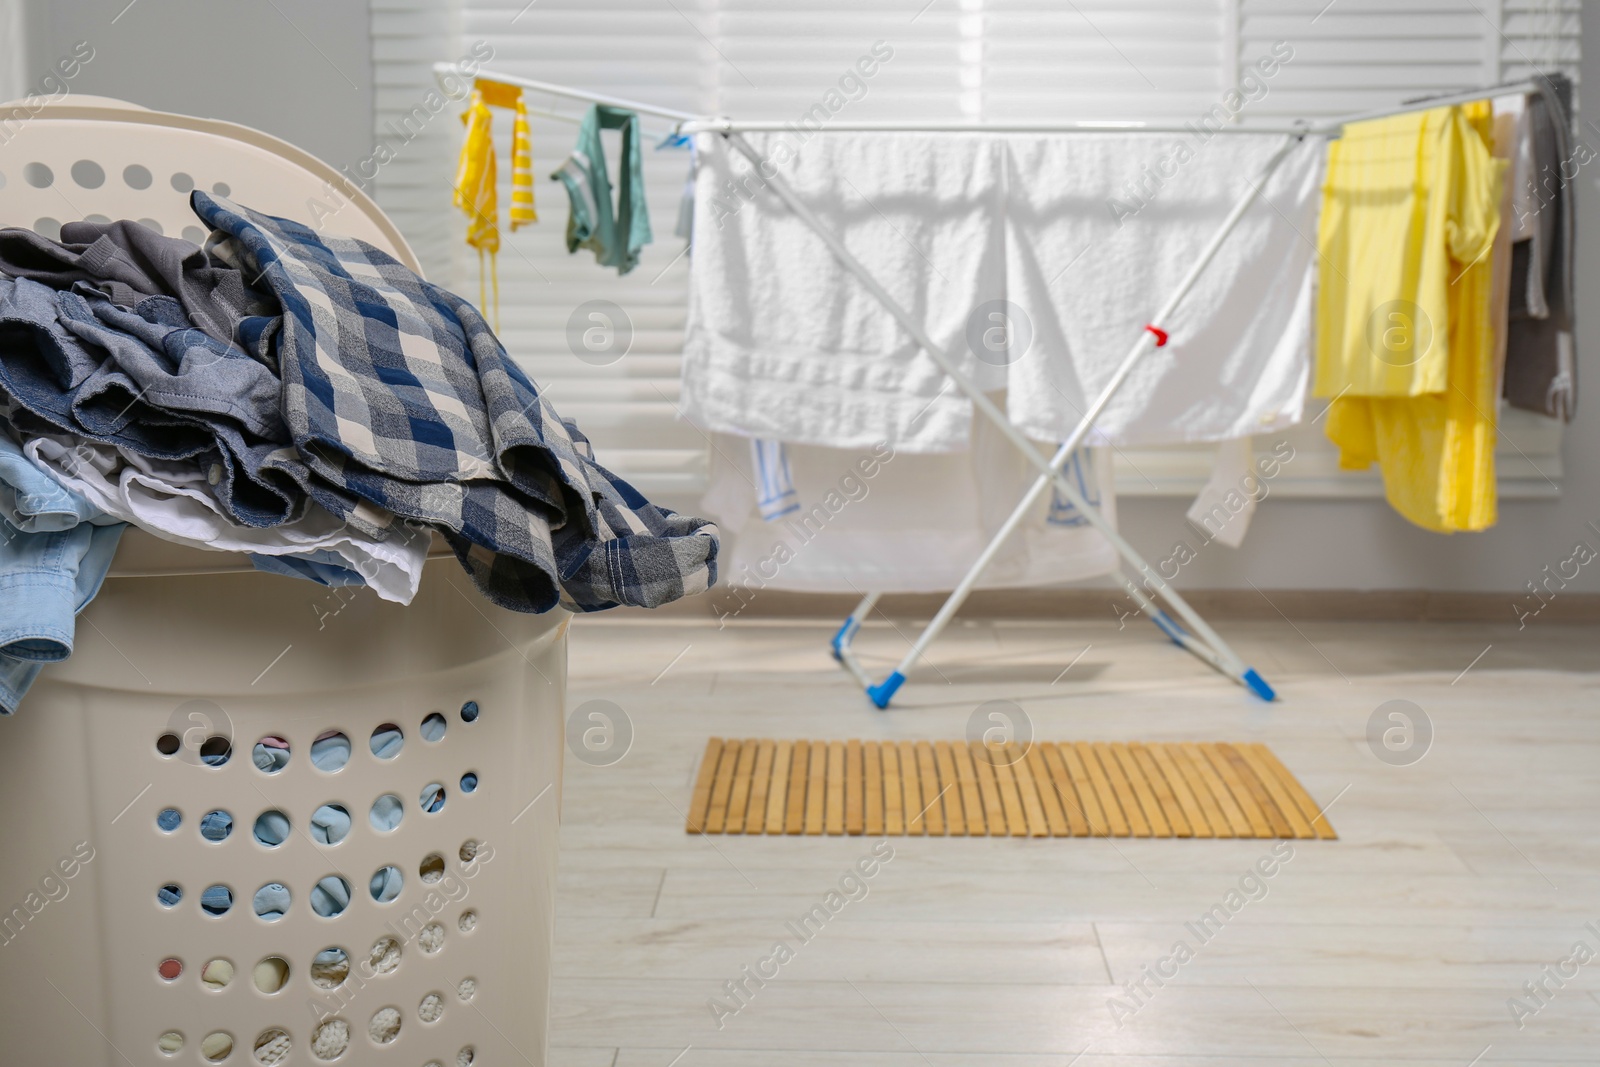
(953, 788)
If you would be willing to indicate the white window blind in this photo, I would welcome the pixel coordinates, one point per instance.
(976, 59)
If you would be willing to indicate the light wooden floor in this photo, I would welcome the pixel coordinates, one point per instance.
(1456, 880)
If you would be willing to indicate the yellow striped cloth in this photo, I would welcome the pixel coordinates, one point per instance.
(476, 177)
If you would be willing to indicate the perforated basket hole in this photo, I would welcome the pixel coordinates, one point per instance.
(330, 896)
(431, 869)
(468, 850)
(38, 175)
(386, 883)
(45, 226)
(384, 1026)
(273, 1047)
(216, 751)
(271, 828)
(221, 189)
(271, 902)
(170, 969)
(431, 938)
(386, 813)
(467, 988)
(331, 750)
(216, 825)
(271, 753)
(88, 173)
(331, 1039)
(152, 224)
(433, 727)
(168, 744)
(168, 820)
(98, 218)
(170, 1043)
(465, 1057)
(330, 824)
(271, 974)
(136, 176)
(469, 782)
(468, 921)
(432, 798)
(216, 900)
(431, 1010)
(216, 1046)
(469, 711)
(194, 235)
(387, 741)
(217, 973)
(182, 182)
(169, 895)
(385, 955)
(330, 968)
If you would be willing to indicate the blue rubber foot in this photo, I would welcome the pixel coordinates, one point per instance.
(882, 694)
(1258, 685)
(1164, 622)
(838, 639)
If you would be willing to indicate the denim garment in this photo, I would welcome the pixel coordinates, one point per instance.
(152, 384)
(49, 570)
(323, 567)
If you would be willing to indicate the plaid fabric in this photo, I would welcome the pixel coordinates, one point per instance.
(398, 394)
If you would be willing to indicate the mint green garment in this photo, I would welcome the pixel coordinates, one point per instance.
(614, 233)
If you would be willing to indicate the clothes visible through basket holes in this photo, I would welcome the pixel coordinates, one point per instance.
(465, 1057)
(216, 900)
(468, 921)
(385, 955)
(330, 967)
(216, 825)
(330, 751)
(170, 969)
(216, 751)
(169, 895)
(431, 1010)
(467, 988)
(271, 828)
(469, 711)
(330, 896)
(271, 974)
(216, 974)
(469, 850)
(272, 901)
(432, 798)
(330, 1039)
(169, 820)
(387, 740)
(273, 1047)
(216, 1046)
(385, 1025)
(271, 754)
(431, 938)
(170, 1042)
(469, 782)
(386, 883)
(386, 813)
(431, 869)
(330, 824)
(434, 727)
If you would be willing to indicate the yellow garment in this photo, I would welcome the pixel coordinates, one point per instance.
(1405, 340)
(475, 192)
(476, 177)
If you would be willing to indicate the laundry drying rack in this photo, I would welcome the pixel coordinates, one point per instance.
(1188, 630)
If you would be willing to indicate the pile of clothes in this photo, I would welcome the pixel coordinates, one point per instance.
(303, 398)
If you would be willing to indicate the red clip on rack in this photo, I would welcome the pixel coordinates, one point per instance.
(1161, 335)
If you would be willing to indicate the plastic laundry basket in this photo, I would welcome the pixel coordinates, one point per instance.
(131, 792)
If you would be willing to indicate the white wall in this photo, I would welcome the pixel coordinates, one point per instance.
(299, 69)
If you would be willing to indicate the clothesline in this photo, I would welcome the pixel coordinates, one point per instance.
(692, 123)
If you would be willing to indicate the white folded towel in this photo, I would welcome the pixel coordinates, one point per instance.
(1101, 229)
(783, 343)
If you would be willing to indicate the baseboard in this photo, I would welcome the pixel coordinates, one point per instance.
(1391, 605)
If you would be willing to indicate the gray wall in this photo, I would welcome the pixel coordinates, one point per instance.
(299, 69)
(302, 69)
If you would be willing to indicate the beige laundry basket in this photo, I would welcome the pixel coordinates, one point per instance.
(183, 664)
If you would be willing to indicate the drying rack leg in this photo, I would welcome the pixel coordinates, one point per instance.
(843, 641)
